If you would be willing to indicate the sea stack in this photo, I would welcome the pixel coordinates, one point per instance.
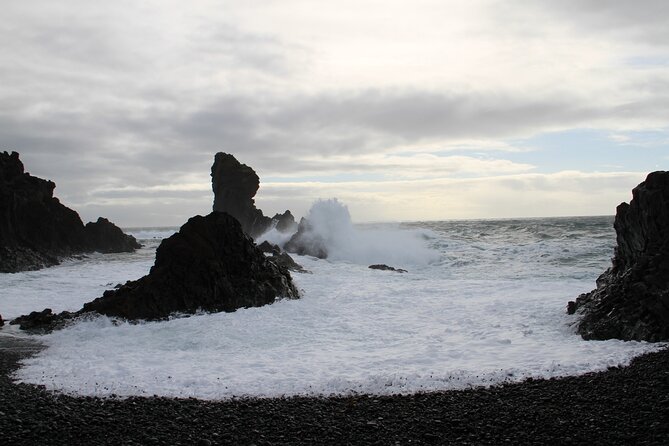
(106, 237)
(631, 301)
(234, 185)
(209, 265)
(36, 229)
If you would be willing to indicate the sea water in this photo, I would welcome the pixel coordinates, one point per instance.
(483, 302)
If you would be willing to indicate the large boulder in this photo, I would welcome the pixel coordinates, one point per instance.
(210, 265)
(104, 236)
(631, 301)
(234, 185)
(35, 228)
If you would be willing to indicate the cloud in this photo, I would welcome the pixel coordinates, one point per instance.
(422, 115)
(422, 165)
(130, 101)
(645, 21)
(565, 193)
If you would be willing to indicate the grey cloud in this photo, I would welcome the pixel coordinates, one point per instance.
(288, 135)
(151, 193)
(261, 52)
(331, 124)
(416, 115)
(154, 212)
(643, 21)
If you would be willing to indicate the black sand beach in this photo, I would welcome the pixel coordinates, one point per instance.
(628, 405)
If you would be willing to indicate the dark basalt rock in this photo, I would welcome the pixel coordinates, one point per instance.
(42, 321)
(286, 261)
(280, 257)
(210, 265)
(306, 242)
(284, 222)
(106, 237)
(234, 185)
(21, 258)
(35, 228)
(631, 301)
(269, 248)
(384, 267)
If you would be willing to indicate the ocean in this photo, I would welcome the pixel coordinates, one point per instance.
(483, 303)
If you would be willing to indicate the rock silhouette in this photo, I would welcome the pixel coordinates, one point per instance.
(106, 237)
(36, 229)
(209, 265)
(631, 301)
(384, 267)
(306, 242)
(234, 185)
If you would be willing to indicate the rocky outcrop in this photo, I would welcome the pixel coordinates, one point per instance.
(306, 242)
(209, 265)
(43, 321)
(284, 222)
(269, 248)
(104, 236)
(384, 267)
(234, 185)
(281, 258)
(286, 261)
(35, 228)
(631, 301)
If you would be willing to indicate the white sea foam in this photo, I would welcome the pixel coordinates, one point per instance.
(330, 225)
(491, 309)
(67, 286)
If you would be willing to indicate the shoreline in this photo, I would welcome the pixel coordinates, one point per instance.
(623, 405)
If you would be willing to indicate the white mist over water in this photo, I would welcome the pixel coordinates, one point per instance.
(330, 224)
(490, 309)
(275, 237)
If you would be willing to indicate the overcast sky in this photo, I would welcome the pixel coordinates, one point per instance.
(404, 110)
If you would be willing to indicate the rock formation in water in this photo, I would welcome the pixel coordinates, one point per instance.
(306, 242)
(43, 321)
(281, 258)
(631, 301)
(284, 222)
(384, 267)
(209, 265)
(106, 237)
(36, 229)
(234, 185)
(269, 248)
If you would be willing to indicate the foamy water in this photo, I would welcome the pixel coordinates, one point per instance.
(483, 303)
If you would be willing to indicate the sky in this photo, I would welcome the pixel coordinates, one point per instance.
(404, 110)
